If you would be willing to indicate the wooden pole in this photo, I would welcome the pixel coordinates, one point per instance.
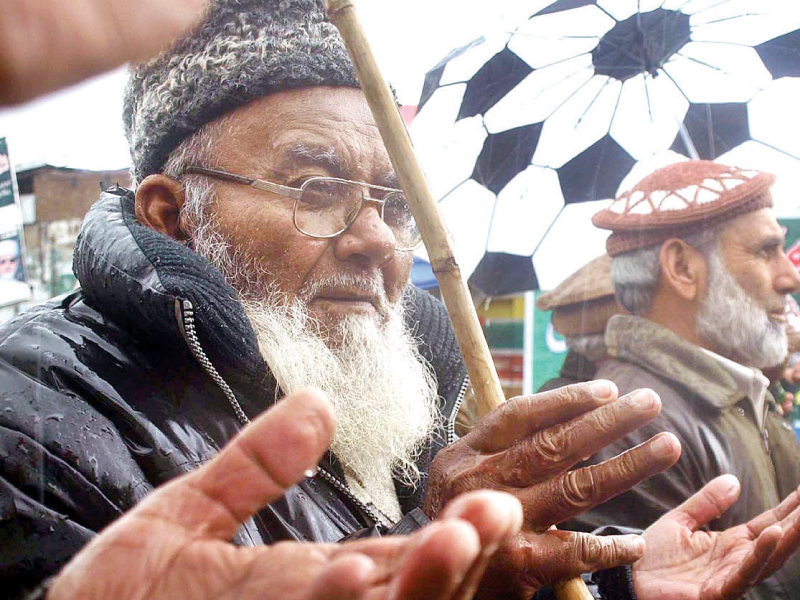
(460, 307)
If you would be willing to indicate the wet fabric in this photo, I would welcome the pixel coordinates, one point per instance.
(102, 399)
(718, 430)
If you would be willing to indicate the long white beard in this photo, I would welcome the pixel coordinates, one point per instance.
(735, 326)
(384, 394)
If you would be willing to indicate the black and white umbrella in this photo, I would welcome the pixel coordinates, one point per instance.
(525, 134)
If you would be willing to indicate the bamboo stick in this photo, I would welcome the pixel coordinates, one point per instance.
(468, 331)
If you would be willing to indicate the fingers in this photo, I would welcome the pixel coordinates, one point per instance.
(554, 450)
(47, 44)
(752, 569)
(437, 563)
(252, 470)
(777, 514)
(347, 577)
(496, 517)
(560, 555)
(523, 416)
(789, 542)
(566, 496)
(708, 504)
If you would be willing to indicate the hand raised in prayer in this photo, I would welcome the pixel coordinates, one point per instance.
(528, 447)
(684, 562)
(174, 544)
(47, 44)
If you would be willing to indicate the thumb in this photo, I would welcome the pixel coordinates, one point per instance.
(267, 457)
(708, 504)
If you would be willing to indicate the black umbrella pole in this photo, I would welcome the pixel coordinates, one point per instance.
(460, 307)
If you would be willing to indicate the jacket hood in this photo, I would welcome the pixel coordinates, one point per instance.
(139, 275)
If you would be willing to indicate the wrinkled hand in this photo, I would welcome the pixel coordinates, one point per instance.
(682, 562)
(47, 44)
(527, 448)
(174, 544)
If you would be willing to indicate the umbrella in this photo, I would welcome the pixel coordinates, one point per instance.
(524, 133)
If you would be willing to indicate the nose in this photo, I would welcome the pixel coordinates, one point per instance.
(368, 241)
(788, 278)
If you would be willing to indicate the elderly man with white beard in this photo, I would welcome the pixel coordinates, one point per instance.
(698, 260)
(265, 249)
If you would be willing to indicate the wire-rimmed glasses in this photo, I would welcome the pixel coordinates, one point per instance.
(325, 207)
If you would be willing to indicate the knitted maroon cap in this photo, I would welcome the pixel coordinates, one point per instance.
(679, 200)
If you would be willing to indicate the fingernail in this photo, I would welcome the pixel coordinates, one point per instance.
(601, 389)
(638, 544)
(663, 445)
(644, 399)
(733, 484)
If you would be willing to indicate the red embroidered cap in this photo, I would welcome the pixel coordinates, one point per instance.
(681, 199)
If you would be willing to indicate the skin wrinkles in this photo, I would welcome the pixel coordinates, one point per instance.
(286, 130)
(752, 252)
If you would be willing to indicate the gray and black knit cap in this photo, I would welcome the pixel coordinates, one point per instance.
(242, 50)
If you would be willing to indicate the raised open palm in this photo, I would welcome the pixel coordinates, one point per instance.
(684, 562)
(174, 544)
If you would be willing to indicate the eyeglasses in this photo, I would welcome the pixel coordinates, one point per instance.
(325, 207)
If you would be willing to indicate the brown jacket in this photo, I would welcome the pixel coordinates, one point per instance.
(717, 428)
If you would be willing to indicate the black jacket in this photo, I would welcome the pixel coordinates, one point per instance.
(134, 379)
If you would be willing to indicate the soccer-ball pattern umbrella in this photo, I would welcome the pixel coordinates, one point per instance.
(519, 131)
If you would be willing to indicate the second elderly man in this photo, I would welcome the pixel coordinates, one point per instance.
(699, 262)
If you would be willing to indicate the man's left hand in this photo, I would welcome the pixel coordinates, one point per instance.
(684, 562)
(527, 448)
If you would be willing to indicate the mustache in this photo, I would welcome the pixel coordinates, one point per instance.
(372, 286)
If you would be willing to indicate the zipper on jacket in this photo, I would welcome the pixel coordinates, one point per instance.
(342, 487)
(185, 313)
(451, 422)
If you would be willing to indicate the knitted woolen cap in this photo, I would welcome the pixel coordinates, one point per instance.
(679, 200)
(242, 50)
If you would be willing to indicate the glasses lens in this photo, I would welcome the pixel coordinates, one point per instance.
(397, 214)
(326, 207)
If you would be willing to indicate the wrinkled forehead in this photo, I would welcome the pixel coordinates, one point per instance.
(327, 128)
(753, 228)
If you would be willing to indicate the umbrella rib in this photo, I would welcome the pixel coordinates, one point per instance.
(730, 19)
(672, 79)
(709, 7)
(647, 96)
(549, 227)
(567, 99)
(596, 96)
(561, 37)
(784, 152)
(711, 136)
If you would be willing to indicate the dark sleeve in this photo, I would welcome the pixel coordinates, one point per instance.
(65, 472)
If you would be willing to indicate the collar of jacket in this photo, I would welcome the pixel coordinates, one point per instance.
(662, 352)
(135, 275)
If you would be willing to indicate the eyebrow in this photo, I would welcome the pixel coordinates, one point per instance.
(331, 161)
(316, 156)
(777, 240)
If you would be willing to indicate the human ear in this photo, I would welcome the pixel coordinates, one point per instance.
(158, 205)
(683, 269)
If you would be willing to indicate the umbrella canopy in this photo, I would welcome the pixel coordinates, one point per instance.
(519, 131)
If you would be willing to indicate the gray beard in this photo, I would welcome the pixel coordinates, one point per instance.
(384, 394)
(733, 325)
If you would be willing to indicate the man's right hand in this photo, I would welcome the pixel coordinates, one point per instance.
(527, 447)
(174, 544)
